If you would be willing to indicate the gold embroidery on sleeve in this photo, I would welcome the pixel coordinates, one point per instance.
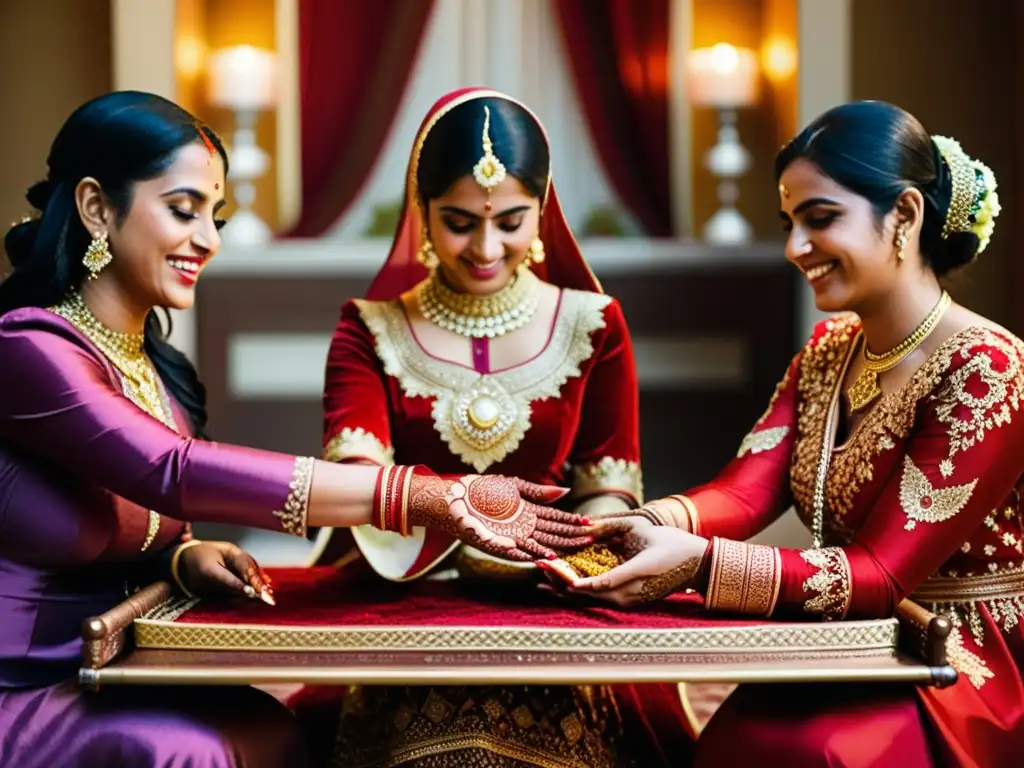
(987, 411)
(296, 507)
(358, 443)
(607, 475)
(831, 582)
(762, 440)
(923, 503)
(745, 578)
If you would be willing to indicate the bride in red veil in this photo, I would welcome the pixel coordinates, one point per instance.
(564, 267)
(485, 344)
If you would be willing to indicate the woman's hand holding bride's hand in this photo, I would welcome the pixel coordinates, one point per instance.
(661, 560)
(502, 516)
(669, 512)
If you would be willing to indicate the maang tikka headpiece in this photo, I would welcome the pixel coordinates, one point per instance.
(488, 171)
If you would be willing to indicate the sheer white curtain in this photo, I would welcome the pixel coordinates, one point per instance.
(513, 46)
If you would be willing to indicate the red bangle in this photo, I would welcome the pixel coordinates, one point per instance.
(391, 499)
(378, 518)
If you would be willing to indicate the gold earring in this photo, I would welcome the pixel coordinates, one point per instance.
(901, 241)
(536, 254)
(427, 256)
(97, 255)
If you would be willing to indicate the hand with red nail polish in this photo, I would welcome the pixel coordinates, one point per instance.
(223, 569)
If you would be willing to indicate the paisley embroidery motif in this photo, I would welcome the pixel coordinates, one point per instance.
(966, 662)
(762, 440)
(1002, 390)
(923, 503)
(484, 417)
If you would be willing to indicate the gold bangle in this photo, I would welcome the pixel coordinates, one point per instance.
(689, 509)
(651, 515)
(175, 561)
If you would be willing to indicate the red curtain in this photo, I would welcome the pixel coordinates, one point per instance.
(355, 59)
(618, 52)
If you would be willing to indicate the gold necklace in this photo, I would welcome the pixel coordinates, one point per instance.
(865, 389)
(125, 352)
(481, 316)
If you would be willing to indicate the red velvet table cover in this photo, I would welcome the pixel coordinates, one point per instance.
(323, 609)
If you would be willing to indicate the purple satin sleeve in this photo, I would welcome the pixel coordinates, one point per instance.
(59, 402)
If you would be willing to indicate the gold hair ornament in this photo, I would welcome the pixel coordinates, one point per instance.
(488, 171)
(974, 204)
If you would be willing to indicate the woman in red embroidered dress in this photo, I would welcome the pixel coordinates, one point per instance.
(906, 464)
(485, 344)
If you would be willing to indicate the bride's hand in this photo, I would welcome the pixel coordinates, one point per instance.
(661, 561)
(502, 516)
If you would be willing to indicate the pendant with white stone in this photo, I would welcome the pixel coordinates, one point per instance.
(483, 414)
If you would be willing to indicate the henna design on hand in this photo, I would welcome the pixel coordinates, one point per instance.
(664, 584)
(493, 513)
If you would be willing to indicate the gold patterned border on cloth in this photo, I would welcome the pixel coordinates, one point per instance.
(609, 475)
(358, 444)
(158, 629)
(966, 589)
(960, 596)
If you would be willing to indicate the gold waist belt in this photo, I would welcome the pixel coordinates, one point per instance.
(969, 589)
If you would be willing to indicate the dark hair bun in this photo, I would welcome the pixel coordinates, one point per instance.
(39, 194)
(957, 250)
(20, 241)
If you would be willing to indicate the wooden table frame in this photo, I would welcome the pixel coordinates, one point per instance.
(110, 659)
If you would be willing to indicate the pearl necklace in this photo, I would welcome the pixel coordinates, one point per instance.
(125, 352)
(480, 316)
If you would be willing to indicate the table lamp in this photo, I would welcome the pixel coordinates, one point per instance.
(726, 79)
(244, 80)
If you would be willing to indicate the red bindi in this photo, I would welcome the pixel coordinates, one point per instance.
(487, 206)
(216, 185)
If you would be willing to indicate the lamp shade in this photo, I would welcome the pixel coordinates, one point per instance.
(722, 77)
(243, 77)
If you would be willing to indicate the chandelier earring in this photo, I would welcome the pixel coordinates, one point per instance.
(536, 254)
(901, 241)
(427, 256)
(97, 255)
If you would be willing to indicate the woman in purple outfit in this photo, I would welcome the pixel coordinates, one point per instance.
(103, 465)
